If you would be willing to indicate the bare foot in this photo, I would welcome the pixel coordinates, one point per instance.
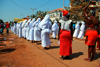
(50, 47)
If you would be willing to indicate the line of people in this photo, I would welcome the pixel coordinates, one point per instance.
(79, 30)
(36, 30)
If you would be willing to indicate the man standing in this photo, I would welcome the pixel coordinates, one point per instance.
(91, 33)
(7, 27)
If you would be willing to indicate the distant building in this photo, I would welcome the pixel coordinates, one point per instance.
(55, 14)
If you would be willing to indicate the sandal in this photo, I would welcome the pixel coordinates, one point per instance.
(87, 59)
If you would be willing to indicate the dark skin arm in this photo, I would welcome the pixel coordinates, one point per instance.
(59, 30)
(71, 27)
(84, 11)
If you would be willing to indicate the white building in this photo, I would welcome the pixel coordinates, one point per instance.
(55, 14)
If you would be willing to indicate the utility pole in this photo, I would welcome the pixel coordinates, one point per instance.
(63, 4)
(33, 10)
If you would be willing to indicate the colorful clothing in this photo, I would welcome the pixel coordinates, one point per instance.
(65, 43)
(65, 38)
(92, 36)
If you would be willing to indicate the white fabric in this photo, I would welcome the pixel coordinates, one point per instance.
(23, 24)
(31, 32)
(82, 29)
(45, 25)
(17, 28)
(28, 28)
(20, 30)
(77, 28)
(14, 29)
(54, 29)
(37, 30)
(65, 24)
(25, 28)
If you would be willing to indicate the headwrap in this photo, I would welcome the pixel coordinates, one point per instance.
(45, 22)
(65, 13)
(37, 22)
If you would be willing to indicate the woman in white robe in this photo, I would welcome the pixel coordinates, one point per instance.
(37, 31)
(20, 30)
(23, 25)
(14, 29)
(31, 32)
(82, 29)
(45, 25)
(25, 28)
(17, 28)
(54, 29)
(77, 28)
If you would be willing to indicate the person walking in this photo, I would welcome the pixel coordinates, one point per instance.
(7, 27)
(45, 25)
(54, 29)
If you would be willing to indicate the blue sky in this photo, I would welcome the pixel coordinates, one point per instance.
(10, 9)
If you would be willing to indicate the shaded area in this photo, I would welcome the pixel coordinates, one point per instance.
(54, 47)
(8, 50)
(74, 55)
(2, 44)
(97, 55)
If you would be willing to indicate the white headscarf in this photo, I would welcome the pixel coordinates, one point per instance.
(27, 22)
(31, 23)
(77, 25)
(82, 26)
(45, 22)
(20, 25)
(24, 22)
(37, 22)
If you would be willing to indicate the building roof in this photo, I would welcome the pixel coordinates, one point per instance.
(60, 9)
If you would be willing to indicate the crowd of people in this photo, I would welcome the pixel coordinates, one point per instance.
(3, 26)
(39, 29)
(36, 30)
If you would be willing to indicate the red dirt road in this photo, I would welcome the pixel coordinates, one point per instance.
(22, 53)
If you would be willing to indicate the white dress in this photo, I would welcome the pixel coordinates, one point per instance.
(37, 30)
(27, 29)
(45, 25)
(82, 29)
(54, 29)
(31, 31)
(20, 30)
(77, 28)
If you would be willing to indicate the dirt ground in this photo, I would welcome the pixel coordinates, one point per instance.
(18, 52)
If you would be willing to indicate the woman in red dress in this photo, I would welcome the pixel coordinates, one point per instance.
(65, 35)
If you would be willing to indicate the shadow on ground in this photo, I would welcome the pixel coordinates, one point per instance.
(97, 55)
(74, 55)
(8, 50)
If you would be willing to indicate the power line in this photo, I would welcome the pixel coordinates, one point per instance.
(19, 5)
(44, 4)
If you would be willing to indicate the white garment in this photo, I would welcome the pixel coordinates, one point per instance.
(31, 32)
(37, 30)
(24, 31)
(23, 24)
(54, 29)
(14, 29)
(45, 25)
(65, 24)
(82, 29)
(77, 28)
(20, 30)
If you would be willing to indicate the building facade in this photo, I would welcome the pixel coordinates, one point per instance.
(55, 14)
